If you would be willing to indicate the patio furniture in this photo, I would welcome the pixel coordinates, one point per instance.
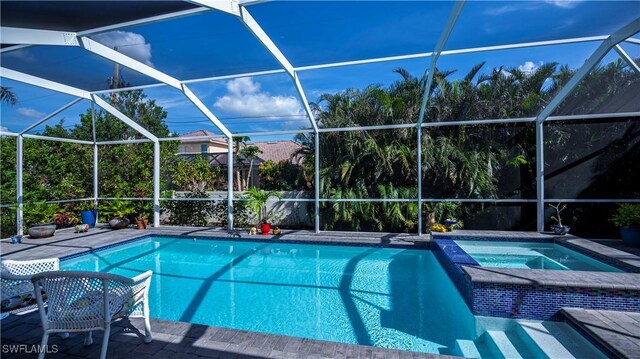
(84, 301)
(15, 278)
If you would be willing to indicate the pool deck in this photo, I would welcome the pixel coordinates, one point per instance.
(187, 340)
(619, 332)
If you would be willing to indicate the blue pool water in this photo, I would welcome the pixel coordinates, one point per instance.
(531, 255)
(393, 298)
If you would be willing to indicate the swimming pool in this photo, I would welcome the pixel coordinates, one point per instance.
(531, 255)
(386, 297)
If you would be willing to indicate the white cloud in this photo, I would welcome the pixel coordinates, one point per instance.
(4, 129)
(565, 4)
(520, 6)
(129, 43)
(30, 112)
(529, 67)
(244, 98)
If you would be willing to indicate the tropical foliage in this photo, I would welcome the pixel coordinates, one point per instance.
(458, 161)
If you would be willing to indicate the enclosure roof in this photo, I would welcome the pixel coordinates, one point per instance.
(79, 16)
(82, 47)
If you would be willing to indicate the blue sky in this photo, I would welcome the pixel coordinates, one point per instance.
(308, 33)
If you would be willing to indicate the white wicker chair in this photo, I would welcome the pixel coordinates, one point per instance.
(86, 301)
(15, 279)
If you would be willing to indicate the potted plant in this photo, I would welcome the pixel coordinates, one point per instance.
(120, 209)
(142, 220)
(63, 219)
(38, 216)
(559, 228)
(88, 213)
(627, 217)
(447, 212)
(142, 214)
(257, 201)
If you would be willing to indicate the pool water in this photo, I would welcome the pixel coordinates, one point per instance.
(531, 255)
(392, 298)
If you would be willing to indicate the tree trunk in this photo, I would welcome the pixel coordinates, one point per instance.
(238, 180)
(249, 173)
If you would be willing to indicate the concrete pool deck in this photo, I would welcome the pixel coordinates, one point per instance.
(177, 338)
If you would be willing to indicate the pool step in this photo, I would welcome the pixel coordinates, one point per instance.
(501, 345)
(467, 348)
(556, 340)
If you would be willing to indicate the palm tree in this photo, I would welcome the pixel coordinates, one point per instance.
(250, 153)
(7, 96)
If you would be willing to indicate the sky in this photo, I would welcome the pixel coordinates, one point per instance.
(307, 33)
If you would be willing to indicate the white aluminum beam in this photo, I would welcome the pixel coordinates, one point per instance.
(627, 58)
(125, 142)
(266, 41)
(10, 134)
(228, 6)
(633, 41)
(57, 139)
(122, 59)
(205, 111)
(40, 82)
(147, 70)
(257, 31)
(46, 118)
(376, 60)
(454, 52)
(19, 36)
(444, 36)
(617, 37)
(119, 115)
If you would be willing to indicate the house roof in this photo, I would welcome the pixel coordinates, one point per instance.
(277, 151)
(202, 133)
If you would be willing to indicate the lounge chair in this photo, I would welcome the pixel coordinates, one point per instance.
(87, 301)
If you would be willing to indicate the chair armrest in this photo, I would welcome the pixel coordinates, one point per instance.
(30, 267)
(15, 277)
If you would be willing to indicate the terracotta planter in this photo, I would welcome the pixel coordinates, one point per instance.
(119, 223)
(265, 228)
(42, 230)
(141, 225)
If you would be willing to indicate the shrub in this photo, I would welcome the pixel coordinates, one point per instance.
(627, 215)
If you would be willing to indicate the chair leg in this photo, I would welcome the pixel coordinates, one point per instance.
(105, 342)
(88, 339)
(148, 336)
(43, 345)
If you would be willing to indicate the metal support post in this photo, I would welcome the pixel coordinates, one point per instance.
(95, 158)
(316, 180)
(156, 183)
(230, 183)
(540, 176)
(19, 197)
(420, 224)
